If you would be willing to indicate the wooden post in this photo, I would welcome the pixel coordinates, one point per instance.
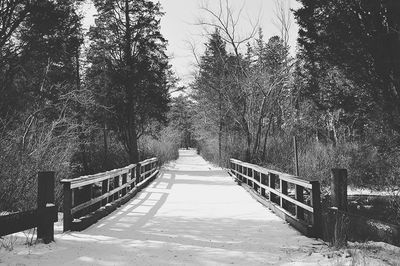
(262, 181)
(45, 229)
(252, 176)
(116, 185)
(296, 158)
(67, 206)
(272, 196)
(247, 176)
(339, 188)
(104, 190)
(124, 180)
(316, 204)
(284, 191)
(299, 197)
(137, 173)
(339, 204)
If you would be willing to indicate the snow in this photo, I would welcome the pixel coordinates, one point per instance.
(192, 214)
(352, 191)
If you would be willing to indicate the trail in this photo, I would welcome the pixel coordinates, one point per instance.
(192, 214)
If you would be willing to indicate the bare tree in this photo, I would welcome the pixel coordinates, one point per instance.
(251, 91)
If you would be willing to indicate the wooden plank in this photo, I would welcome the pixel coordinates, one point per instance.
(146, 162)
(287, 177)
(279, 194)
(145, 173)
(90, 179)
(97, 199)
(111, 172)
(144, 181)
(115, 190)
(20, 221)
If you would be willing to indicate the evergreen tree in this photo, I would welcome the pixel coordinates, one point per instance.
(129, 69)
(210, 85)
(351, 56)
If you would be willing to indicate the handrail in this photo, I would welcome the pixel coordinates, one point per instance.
(296, 200)
(85, 194)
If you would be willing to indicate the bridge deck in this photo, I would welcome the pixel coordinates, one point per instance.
(192, 214)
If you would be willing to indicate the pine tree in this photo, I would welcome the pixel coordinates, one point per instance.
(351, 56)
(129, 69)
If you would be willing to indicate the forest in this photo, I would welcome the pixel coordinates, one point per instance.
(78, 102)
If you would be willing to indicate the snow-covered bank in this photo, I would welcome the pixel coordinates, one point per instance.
(193, 214)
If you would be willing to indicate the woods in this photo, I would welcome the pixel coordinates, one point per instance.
(78, 101)
(338, 94)
(79, 109)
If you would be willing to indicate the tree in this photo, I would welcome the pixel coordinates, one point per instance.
(129, 69)
(38, 53)
(39, 41)
(355, 43)
(180, 118)
(210, 85)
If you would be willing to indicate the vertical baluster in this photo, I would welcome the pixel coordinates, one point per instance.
(316, 204)
(262, 181)
(104, 190)
(300, 198)
(284, 191)
(67, 206)
(271, 178)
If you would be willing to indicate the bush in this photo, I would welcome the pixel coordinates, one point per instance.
(164, 146)
(27, 149)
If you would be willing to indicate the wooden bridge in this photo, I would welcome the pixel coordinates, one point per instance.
(193, 213)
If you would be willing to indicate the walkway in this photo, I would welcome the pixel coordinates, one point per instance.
(192, 214)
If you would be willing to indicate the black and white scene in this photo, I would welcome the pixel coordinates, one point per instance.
(200, 132)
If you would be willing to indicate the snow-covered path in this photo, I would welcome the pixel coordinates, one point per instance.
(192, 214)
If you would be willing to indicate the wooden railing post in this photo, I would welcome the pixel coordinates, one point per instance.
(67, 206)
(284, 191)
(45, 229)
(138, 173)
(299, 196)
(104, 190)
(271, 181)
(124, 180)
(316, 204)
(339, 188)
(262, 181)
(339, 211)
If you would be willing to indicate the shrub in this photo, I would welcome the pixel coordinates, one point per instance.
(164, 146)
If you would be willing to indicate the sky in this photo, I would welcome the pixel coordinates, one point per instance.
(180, 26)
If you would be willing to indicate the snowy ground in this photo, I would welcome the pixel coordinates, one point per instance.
(192, 214)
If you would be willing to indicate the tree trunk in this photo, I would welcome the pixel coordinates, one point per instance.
(220, 131)
(248, 140)
(81, 134)
(105, 146)
(266, 136)
(132, 140)
(258, 134)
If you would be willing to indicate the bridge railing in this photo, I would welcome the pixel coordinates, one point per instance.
(295, 200)
(86, 195)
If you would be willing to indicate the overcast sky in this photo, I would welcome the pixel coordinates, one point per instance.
(180, 27)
